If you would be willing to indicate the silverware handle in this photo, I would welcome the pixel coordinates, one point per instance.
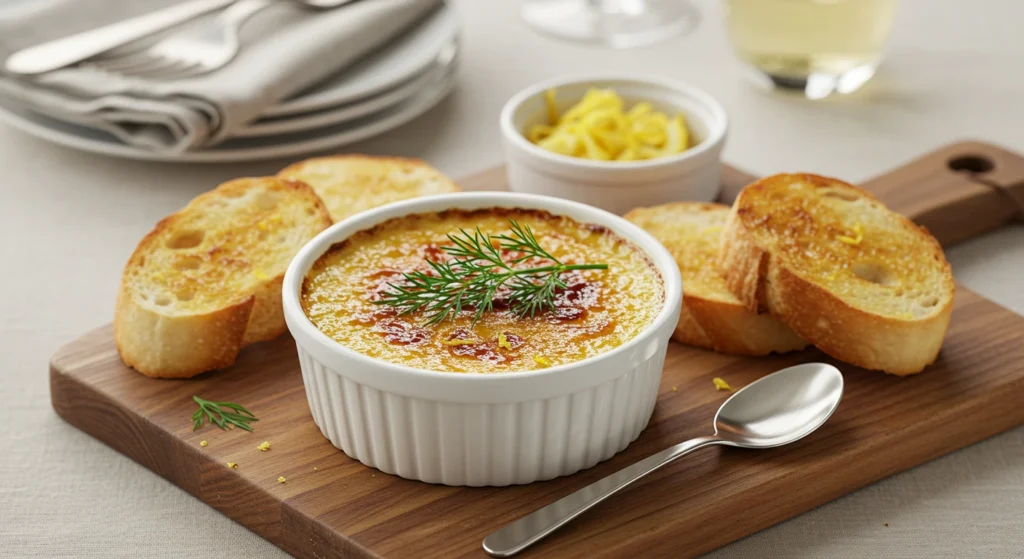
(533, 527)
(76, 48)
(236, 14)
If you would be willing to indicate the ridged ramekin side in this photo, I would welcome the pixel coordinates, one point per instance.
(481, 444)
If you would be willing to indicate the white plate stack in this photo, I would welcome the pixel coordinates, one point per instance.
(387, 88)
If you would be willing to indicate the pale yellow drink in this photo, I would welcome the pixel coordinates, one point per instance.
(837, 43)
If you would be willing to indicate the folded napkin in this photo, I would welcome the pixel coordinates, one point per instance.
(286, 48)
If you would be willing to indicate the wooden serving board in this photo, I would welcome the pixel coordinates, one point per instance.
(333, 506)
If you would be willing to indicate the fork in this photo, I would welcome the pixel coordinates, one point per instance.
(202, 48)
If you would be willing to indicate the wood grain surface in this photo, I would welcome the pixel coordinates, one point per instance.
(333, 506)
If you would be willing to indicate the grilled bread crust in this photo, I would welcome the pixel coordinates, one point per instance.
(350, 184)
(712, 317)
(863, 283)
(206, 281)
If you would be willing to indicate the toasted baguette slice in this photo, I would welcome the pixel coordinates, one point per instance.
(350, 184)
(207, 280)
(861, 282)
(712, 317)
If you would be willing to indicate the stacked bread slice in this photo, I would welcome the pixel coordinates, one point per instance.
(820, 256)
(206, 281)
(712, 316)
(350, 184)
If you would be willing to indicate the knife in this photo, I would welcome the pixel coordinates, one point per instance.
(66, 51)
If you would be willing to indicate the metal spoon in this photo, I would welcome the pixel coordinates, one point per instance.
(778, 409)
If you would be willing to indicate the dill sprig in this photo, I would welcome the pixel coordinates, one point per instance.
(233, 416)
(475, 272)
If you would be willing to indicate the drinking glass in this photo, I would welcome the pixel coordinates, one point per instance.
(817, 47)
(613, 23)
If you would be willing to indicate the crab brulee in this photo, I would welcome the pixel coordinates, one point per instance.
(489, 290)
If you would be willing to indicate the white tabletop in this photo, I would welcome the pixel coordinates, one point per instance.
(68, 222)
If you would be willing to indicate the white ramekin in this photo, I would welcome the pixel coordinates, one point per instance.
(481, 429)
(616, 186)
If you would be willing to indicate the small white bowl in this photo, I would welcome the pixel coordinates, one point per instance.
(481, 429)
(616, 186)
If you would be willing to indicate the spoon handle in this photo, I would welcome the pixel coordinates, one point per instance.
(533, 527)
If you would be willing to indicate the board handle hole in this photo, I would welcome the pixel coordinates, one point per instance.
(973, 164)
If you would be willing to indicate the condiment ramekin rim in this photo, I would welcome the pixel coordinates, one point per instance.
(314, 248)
(717, 129)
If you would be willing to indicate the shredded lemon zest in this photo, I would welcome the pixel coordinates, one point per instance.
(260, 275)
(549, 100)
(503, 341)
(233, 465)
(264, 446)
(203, 443)
(597, 127)
(458, 342)
(720, 384)
(281, 479)
(858, 235)
(542, 361)
(539, 132)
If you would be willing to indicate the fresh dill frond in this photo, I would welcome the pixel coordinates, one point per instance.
(476, 271)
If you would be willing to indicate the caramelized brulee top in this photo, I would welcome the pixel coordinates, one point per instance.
(599, 309)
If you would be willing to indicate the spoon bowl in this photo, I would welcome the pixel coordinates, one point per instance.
(778, 409)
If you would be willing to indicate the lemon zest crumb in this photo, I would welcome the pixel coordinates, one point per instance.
(858, 235)
(458, 342)
(260, 275)
(264, 446)
(720, 384)
(203, 443)
(281, 479)
(503, 341)
(542, 361)
(233, 465)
